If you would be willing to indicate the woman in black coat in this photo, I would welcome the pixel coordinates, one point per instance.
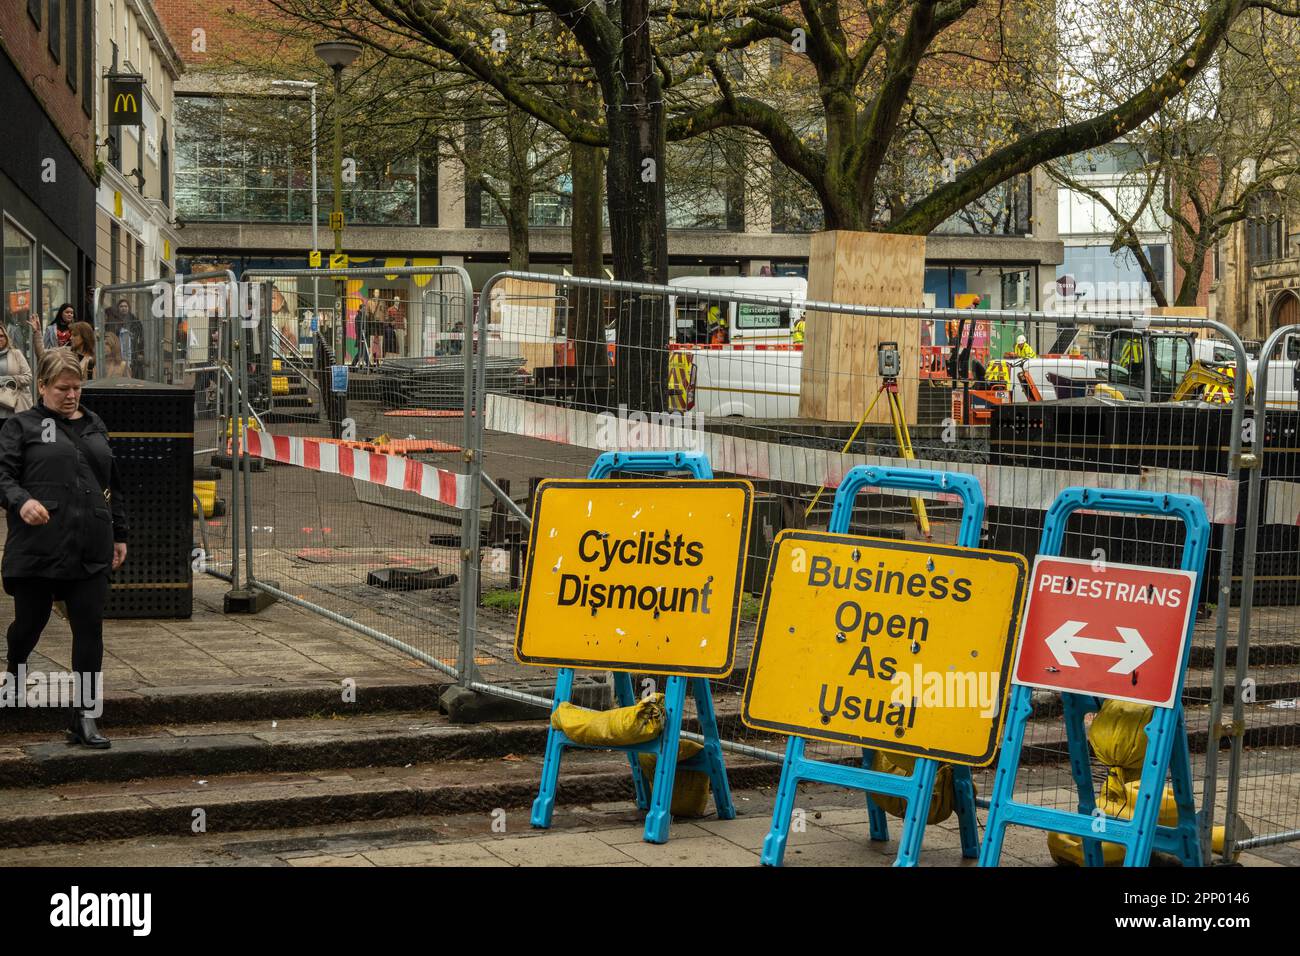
(67, 529)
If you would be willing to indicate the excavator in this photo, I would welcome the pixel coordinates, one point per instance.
(1150, 366)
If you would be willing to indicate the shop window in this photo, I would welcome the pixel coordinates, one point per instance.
(54, 285)
(19, 263)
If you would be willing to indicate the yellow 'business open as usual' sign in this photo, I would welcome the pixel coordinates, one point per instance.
(893, 645)
(635, 575)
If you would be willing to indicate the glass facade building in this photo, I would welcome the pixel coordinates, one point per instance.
(230, 171)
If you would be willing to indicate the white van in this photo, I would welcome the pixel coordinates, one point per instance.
(756, 373)
(1283, 373)
(746, 322)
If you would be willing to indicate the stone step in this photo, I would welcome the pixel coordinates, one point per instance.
(1265, 651)
(282, 730)
(82, 812)
(264, 746)
(267, 700)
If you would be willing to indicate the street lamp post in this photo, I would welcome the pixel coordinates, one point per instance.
(337, 55)
(315, 209)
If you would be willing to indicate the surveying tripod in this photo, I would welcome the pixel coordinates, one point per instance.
(887, 357)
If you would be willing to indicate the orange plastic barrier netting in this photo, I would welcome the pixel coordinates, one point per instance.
(394, 446)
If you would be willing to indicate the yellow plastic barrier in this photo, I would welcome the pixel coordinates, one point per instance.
(279, 385)
(230, 426)
(207, 492)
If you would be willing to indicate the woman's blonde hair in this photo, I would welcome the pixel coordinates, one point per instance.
(55, 363)
(112, 347)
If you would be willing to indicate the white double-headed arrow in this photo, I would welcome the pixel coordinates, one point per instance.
(1130, 652)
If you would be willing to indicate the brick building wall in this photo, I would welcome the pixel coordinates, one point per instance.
(222, 27)
(46, 77)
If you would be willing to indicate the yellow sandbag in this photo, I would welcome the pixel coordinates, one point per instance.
(1118, 737)
(942, 803)
(636, 724)
(1118, 733)
(691, 788)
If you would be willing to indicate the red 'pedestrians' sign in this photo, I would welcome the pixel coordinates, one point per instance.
(1109, 630)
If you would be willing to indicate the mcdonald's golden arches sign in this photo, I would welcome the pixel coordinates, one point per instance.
(125, 98)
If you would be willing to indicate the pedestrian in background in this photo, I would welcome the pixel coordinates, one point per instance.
(15, 378)
(374, 327)
(130, 332)
(59, 332)
(115, 365)
(397, 321)
(81, 343)
(83, 347)
(67, 529)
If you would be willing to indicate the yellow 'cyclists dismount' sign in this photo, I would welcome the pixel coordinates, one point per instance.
(635, 575)
(897, 646)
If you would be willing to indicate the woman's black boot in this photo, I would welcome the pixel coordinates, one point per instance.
(83, 731)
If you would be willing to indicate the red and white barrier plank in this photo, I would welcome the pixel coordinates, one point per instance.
(393, 471)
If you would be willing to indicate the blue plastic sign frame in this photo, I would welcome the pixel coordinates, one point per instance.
(657, 800)
(917, 788)
(339, 379)
(1167, 753)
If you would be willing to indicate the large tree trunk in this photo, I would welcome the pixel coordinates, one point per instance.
(586, 321)
(846, 204)
(521, 188)
(517, 230)
(1193, 269)
(638, 212)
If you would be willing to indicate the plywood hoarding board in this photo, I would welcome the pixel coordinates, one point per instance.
(839, 376)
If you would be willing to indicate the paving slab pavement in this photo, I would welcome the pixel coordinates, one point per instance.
(214, 652)
(597, 835)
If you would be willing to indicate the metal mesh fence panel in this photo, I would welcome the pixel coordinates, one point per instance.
(1261, 769)
(356, 445)
(791, 394)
